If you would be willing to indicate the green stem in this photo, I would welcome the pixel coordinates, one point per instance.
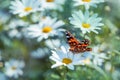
(64, 74)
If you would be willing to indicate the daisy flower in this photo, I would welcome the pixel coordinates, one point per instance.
(39, 53)
(14, 33)
(88, 58)
(25, 7)
(53, 43)
(52, 4)
(15, 23)
(86, 22)
(13, 68)
(47, 27)
(98, 56)
(87, 3)
(16, 28)
(66, 58)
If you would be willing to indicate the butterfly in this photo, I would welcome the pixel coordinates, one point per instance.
(77, 46)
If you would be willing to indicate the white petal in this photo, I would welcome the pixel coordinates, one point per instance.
(56, 65)
(70, 66)
(54, 59)
(63, 49)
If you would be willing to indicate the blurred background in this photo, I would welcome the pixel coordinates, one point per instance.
(33, 56)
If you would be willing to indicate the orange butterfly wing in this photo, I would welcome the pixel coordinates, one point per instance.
(72, 41)
(75, 45)
(80, 48)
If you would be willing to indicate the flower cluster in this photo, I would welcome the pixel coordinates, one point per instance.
(37, 35)
(87, 23)
(25, 7)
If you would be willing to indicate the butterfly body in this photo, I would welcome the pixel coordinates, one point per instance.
(75, 45)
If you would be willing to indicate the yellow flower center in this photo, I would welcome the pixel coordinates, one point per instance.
(14, 68)
(27, 9)
(46, 29)
(86, 0)
(67, 60)
(50, 0)
(87, 61)
(85, 25)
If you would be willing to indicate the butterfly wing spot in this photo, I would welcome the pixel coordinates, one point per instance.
(86, 41)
